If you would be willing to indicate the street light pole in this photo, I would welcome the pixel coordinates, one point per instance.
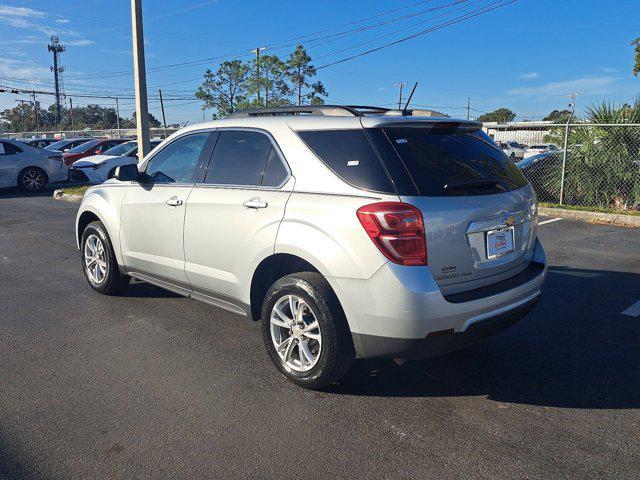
(140, 77)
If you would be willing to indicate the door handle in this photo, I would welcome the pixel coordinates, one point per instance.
(173, 202)
(255, 203)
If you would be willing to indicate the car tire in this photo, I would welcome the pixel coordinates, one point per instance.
(103, 274)
(333, 354)
(32, 179)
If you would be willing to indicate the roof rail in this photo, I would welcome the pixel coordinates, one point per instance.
(325, 110)
(331, 111)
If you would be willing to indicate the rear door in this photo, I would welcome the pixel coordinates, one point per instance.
(478, 208)
(11, 162)
(233, 215)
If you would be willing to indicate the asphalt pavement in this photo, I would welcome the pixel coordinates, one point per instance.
(153, 385)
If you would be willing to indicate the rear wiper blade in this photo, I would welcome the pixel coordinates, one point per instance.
(472, 184)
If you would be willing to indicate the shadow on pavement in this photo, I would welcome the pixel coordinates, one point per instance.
(575, 350)
(146, 290)
(11, 468)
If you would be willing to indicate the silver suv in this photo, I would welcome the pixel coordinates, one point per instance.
(347, 231)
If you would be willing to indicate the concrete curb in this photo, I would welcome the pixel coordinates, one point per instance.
(60, 195)
(594, 217)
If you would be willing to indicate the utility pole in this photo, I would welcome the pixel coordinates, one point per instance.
(572, 106)
(56, 48)
(118, 117)
(468, 108)
(257, 52)
(22, 123)
(140, 78)
(35, 109)
(401, 85)
(71, 111)
(164, 120)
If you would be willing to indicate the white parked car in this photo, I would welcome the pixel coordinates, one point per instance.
(30, 168)
(539, 148)
(98, 168)
(512, 149)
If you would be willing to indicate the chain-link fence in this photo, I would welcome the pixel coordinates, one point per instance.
(107, 133)
(581, 164)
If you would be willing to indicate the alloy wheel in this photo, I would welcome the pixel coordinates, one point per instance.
(95, 259)
(295, 333)
(33, 180)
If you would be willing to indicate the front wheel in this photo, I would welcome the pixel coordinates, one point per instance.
(99, 261)
(305, 331)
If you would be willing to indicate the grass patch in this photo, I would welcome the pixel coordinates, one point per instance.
(76, 190)
(591, 209)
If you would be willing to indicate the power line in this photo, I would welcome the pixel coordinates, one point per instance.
(423, 32)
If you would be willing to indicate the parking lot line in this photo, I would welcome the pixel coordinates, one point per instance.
(633, 310)
(550, 220)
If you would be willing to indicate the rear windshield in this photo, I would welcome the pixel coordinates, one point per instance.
(83, 147)
(445, 162)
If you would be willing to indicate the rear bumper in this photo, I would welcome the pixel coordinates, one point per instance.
(439, 343)
(399, 310)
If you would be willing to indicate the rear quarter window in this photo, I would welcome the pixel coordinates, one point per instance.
(350, 155)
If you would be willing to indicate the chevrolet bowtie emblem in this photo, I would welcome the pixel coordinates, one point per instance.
(510, 221)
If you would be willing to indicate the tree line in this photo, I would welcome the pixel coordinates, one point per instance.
(265, 81)
(22, 118)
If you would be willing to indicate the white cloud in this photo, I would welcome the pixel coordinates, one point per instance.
(62, 20)
(24, 12)
(24, 70)
(529, 76)
(597, 85)
(82, 42)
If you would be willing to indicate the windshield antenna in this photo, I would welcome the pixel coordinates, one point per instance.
(404, 110)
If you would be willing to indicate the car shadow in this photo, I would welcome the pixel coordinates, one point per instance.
(14, 192)
(146, 290)
(575, 350)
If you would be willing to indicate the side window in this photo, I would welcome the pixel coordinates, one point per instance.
(275, 172)
(177, 161)
(7, 148)
(239, 158)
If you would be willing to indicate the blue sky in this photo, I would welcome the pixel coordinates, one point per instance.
(527, 55)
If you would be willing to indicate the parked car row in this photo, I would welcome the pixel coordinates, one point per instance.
(33, 163)
(517, 151)
(100, 167)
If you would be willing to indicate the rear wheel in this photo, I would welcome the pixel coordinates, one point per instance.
(99, 261)
(32, 179)
(305, 331)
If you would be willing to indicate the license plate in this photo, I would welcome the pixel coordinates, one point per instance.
(499, 242)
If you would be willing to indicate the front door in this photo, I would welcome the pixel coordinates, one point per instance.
(152, 218)
(233, 216)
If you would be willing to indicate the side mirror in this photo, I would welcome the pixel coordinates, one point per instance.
(127, 173)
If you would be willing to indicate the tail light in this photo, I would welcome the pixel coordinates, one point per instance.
(397, 229)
